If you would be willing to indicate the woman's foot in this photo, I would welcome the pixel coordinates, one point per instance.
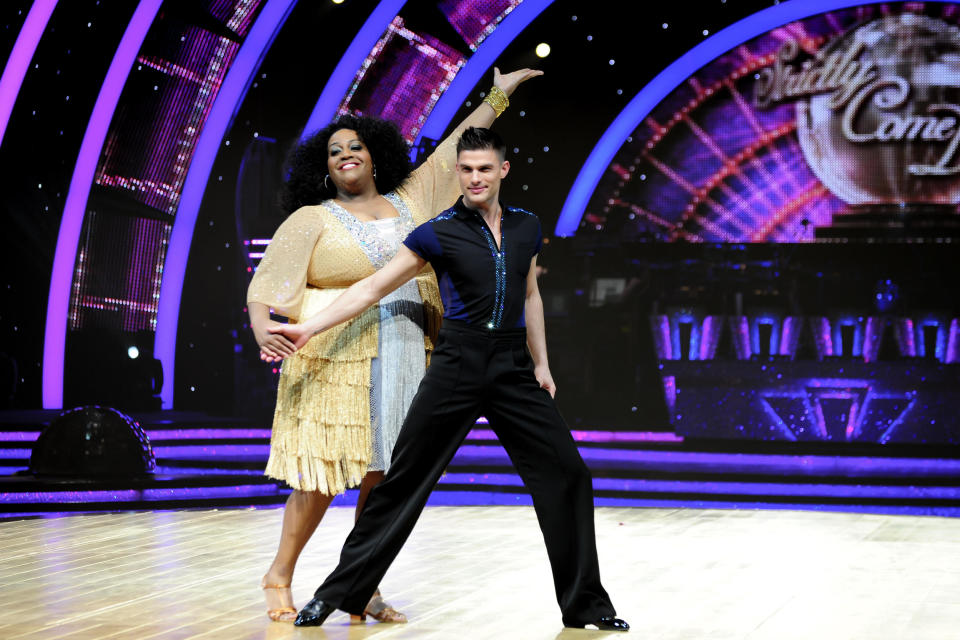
(279, 602)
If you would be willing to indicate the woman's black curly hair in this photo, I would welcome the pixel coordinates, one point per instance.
(307, 163)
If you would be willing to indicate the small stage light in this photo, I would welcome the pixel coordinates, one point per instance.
(543, 50)
(133, 353)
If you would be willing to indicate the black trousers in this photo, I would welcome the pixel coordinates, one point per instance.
(477, 372)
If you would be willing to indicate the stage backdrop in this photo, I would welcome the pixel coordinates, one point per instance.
(844, 124)
(840, 132)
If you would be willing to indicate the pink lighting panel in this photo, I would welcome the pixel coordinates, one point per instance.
(474, 20)
(164, 105)
(108, 298)
(183, 90)
(402, 78)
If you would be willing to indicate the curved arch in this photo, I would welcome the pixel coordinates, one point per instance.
(666, 81)
(339, 82)
(19, 60)
(808, 193)
(231, 94)
(65, 256)
(765, 140)
(481, 60)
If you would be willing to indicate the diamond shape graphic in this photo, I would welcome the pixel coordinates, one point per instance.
(883, 415)
(790, 416)
(837, 411)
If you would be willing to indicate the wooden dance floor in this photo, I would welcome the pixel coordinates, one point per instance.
(481, 572)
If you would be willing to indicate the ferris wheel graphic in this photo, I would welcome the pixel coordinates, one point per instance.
(708, 165)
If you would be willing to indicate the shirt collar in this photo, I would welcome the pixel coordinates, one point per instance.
(464, 212)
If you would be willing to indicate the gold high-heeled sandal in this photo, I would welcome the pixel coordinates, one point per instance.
(282, 613)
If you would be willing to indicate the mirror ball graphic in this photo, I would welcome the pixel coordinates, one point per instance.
(894, 141)
(847, 113)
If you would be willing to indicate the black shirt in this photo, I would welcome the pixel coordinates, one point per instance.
(479, 284)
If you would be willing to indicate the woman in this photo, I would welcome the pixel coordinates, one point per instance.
(341, 399)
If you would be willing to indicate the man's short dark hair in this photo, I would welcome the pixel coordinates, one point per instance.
(479, 138)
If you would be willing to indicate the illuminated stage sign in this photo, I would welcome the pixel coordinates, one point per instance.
(849, 100)
(841, 125)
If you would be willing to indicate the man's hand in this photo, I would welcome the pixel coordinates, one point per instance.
(508, 82)
(545, 379)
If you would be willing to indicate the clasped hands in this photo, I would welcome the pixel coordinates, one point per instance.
(281, 340)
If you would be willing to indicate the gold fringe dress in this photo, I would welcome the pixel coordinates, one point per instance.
(342, 398)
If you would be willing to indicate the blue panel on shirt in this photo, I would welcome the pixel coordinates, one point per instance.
(452, 305)
(423, 242)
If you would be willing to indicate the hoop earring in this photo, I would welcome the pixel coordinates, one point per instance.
(374, 172)
(325, 178)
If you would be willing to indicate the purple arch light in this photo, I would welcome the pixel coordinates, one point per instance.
(20, 57)
(231, 94)
(669, 79)
(61, 278)
(346, 70)
(481, 60)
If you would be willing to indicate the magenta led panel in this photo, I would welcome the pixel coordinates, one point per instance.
(123, 298)
(151, 142)
(474, 20)
(402, 78)
(148, 149)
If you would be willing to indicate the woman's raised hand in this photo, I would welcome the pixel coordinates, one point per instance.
(507, 82)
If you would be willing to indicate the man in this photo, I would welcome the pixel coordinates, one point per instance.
(485, 259)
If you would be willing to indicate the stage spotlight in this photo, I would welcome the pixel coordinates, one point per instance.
(93, 442)
(543, 50)
(337, 1)
(133, 353)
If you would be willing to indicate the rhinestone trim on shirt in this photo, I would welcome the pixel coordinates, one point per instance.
(500, 272)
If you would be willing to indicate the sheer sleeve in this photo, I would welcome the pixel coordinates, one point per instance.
(433, 185)
(281, 278)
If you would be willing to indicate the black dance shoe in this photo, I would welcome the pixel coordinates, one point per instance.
(314, 613)
(609, 623)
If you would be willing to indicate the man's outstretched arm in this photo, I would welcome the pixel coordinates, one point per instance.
(405, 265)
(536, 334)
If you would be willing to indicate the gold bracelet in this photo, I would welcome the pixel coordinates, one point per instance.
(497, 99)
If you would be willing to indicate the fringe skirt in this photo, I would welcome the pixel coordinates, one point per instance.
(342, 398)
